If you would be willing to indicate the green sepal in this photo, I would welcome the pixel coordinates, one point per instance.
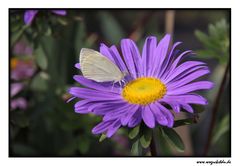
(146, 138)
(183, 122)
(102, 138)
(134, 132)
(136, 149)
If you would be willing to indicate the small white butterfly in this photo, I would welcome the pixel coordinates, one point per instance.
(99, 68)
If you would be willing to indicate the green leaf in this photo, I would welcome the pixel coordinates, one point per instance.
(146, 138)
(201, 36)
(41, 58)
(112, 30)
(206, 54)
(136, 148)
(215, 42)
(83, 145)
(39, 82)
(23, 150)
(134, 132)
(221, 129)
(173, 139)
(162, 145)
(102, 138)
(15, 36)
(183, 122)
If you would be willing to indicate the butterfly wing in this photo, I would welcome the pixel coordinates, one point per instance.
(97, 67)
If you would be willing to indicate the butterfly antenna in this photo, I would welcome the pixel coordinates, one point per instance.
(112, 86)
(124, 82)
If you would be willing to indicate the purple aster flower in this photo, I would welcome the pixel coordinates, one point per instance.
(21, 69)
(22, 48)
(157, 78)
(20, 103)
(29, 15)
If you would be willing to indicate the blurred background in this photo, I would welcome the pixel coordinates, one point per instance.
(43, 53)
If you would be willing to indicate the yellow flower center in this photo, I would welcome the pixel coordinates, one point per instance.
(144, 90)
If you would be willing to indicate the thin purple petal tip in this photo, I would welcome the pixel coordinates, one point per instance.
(60, 12)
(29, 16)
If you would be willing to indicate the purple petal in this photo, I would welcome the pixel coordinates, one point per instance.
(168, 59)
(118, 112)
(126, 118)
(104, 50)
(148, 117)
(102, 127)
(117, 58)
(187, 98)
(16, 88)
(108, 106)
(160, 54)
(59, 12)
(182, 68)
(29, 16)
(85, 106)
(98, 86)
(93, 94)
(176, 61)
(132, 57)
(191, 87)
(187, 107)
(136, 118)
(148, 54)
(113, 128)
(167, 114)
(160, 118)
(188, 72)
(187, 79)
(77, 65)
(175, 106)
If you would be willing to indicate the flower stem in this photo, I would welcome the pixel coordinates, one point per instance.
(215, 109)
(169, 21)
(153, 146)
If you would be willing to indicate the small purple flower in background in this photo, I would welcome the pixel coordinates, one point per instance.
(157, 78)
(21, 68)
(22, 48)
(18, 102)
(16, 88)
(22, 65)
(29, 15)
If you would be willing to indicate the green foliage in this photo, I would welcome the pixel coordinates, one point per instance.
(39, 82)
(216, 42)
(136, 149)
(41, 58)
(221, 129)
(183, 122)
(173, 138)
(111, 28)
(102, 138)
(134, 132)
(146, 138)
